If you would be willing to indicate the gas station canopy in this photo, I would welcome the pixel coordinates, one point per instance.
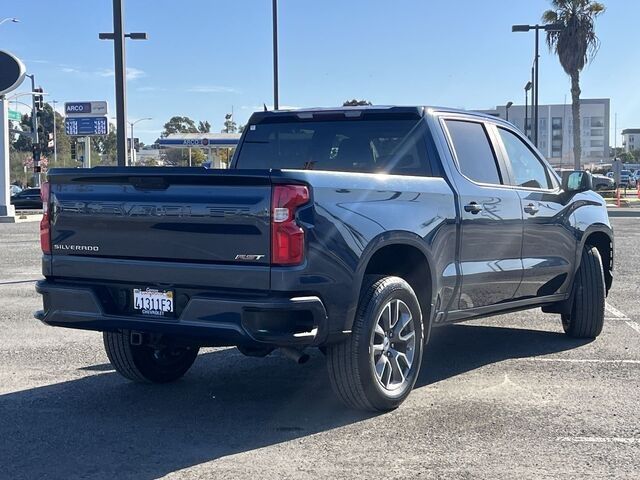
(200, 140)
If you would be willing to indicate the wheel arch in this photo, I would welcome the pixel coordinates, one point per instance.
(381, 258)
(600, 237)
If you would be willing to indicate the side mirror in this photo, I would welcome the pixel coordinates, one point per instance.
(577, 181)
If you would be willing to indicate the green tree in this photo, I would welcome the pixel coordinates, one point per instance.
(204, 127)
(23, 143)
(106, 148)
(230, 125)
(179, 124)
(356, 103)
(576, 45)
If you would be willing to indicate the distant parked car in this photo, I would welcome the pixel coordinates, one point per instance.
(602, 182)
(626, 179)
(15, 189)
(28, 198)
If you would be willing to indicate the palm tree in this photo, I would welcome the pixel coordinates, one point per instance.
(576, 45)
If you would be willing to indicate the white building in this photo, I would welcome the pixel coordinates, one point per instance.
(555, 129)
(631, 139)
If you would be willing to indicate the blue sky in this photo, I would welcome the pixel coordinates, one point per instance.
(204, 57)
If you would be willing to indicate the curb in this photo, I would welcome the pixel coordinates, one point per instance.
(616, 212)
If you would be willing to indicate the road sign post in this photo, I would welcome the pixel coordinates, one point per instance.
(87, 152)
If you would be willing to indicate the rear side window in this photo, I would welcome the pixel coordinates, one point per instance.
(528, 171)
(367, 146)
(473, 151)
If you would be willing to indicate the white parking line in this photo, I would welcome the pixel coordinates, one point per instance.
(633, 325)
(580, 360)
(614, 311)
(625, 440)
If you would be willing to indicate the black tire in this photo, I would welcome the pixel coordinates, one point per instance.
(351, 363)
(587, 311)
(144, 364)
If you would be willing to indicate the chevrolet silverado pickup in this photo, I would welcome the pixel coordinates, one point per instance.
(355, 230)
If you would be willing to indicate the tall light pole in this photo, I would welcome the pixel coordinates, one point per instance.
(132, 137)
(12, 20)
(507, 107)
(118, 37)
(551, 27)
(527, 87)
(276, 100)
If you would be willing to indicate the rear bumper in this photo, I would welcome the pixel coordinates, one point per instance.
(211, 320)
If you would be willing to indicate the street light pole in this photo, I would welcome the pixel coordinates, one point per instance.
(551, 27)
(276, 100)
(118, 36)
(121, 83)
(507, 107)
(131, 146)
(527, 87)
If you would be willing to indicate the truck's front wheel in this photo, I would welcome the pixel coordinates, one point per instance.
(587, 311)
(376, 368)
(144, 363)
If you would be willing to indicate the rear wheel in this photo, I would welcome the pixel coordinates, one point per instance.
(587, 311)
(159, 363)
(377, 367)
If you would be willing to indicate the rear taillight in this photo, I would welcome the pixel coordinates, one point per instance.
(287, 237)
(45, 223)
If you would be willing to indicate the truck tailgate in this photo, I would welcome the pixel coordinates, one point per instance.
(146, 215)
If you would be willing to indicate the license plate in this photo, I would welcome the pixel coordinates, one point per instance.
(153, 302)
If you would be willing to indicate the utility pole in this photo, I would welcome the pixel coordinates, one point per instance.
(118, 36)
(55, 140)
(276, 100)
(34, 132)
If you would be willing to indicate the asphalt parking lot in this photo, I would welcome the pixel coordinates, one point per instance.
(507, 397)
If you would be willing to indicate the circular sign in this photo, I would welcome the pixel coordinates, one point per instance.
(205, 141)
(12, 72)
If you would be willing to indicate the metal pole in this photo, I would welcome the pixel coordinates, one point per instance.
(131, 144)
(87, 152)
(121, 83)
(526, 112)
(34, 129)
(535, 86)
(55, 144)
(276, 100)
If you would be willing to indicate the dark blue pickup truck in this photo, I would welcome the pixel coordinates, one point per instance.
(355, 230)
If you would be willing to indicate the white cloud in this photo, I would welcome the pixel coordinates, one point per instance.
(212, 89)
(151, 88)
(132, 73)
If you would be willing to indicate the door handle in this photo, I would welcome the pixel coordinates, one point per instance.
(531, 209)
(473, 208)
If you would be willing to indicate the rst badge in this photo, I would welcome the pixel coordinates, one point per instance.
(249, 258)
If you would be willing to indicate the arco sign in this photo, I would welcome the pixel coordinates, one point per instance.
(12, 72)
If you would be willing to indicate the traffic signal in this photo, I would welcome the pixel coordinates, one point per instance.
(36, 153)
(38, 99)
(73, 150)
